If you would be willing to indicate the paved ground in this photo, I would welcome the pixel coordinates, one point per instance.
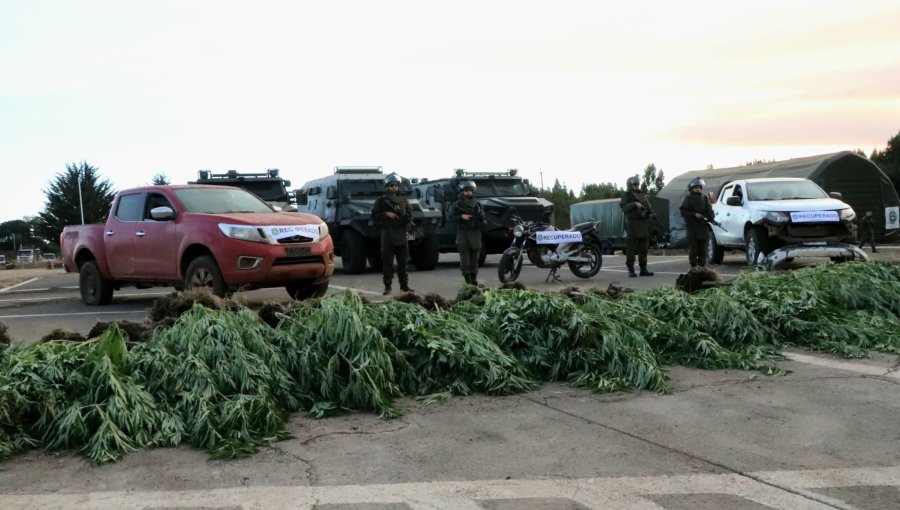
(823, 436)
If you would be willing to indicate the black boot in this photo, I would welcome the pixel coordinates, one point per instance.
(644, 271)
(473, 279)
(387, 290)
(631, 271)
(467, 277)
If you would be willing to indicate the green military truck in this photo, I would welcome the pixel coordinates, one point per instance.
(502, 195)
(612, 221)
(267, 185)
(344, 200)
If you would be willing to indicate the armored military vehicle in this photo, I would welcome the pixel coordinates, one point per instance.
(267, 186)
(345, 200)
(502, 196)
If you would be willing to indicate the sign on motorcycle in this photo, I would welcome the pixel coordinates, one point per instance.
(558, 237)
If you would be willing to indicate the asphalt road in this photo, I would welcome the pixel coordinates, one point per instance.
(822, 436)
(35, 308)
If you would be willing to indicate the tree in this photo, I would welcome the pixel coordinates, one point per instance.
(63, 206)
(653, 180)
(160, 180)
(562, 198)
(889, 160)
(17, 233)
(600, 191)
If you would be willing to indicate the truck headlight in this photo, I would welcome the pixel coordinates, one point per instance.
(242, 232)
(848, 214)
(323, 230)
(777, 217)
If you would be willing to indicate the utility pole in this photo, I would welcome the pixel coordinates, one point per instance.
(80, 202)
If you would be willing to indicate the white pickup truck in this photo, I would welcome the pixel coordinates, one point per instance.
(775, 220)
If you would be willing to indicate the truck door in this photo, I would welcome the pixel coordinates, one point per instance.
(118, 236)
(156, 243)
(731, 217)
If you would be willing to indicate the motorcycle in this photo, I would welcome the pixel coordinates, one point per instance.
(548, 248)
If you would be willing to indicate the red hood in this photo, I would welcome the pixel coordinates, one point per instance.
(273, 218)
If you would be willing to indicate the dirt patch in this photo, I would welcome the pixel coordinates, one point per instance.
(10, 277)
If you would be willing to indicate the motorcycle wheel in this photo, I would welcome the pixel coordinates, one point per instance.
(509, 268)
(587, 269)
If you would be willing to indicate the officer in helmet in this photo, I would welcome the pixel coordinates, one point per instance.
(392, 214)
(638, 215)
(697, 211)
(468, 215)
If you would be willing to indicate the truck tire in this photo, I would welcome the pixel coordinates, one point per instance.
(354, 252)
(95, 289)
(306, 289)
(714, 252)
(203, 272)
(425, 256)
(756, 243)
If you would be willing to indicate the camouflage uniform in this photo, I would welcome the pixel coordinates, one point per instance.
(697, 229)
(393, 237)
(468, 235)
(867, 231)
(638, 221)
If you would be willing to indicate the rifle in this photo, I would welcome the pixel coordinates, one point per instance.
(471, 211)
(716, 223)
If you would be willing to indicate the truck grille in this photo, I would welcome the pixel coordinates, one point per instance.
(816, 230)
(295, 240)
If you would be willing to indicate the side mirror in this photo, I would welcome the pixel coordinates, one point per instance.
(301, 198)
(836, 195)
(162, 213)
(734, 201)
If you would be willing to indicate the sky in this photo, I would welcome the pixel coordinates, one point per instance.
(575, 91)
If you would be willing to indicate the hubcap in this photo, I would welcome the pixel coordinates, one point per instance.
(201, 278)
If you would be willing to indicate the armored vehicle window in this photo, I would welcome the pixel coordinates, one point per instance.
(330, 193)
(368, 187)
(314, 190)
(129, 207)
(501, 188)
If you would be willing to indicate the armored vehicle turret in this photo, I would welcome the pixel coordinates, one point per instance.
(502, 195)
(266, 185)
(344, 201)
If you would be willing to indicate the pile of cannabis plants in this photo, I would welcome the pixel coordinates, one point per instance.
(226, 381)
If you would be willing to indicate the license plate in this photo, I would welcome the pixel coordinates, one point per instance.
(301, 251)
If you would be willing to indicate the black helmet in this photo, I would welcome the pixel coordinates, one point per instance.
(467, 185)
(391, 179)
(696, 181)
(634, 180)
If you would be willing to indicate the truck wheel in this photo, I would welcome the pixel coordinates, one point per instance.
(353, 252)
(426, 255)
(714, 252)
(203, 272)
(756, 244)
(587, 269)
(306, 289)
(375, 262)
(95, 289)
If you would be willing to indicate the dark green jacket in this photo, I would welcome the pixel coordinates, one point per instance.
(392, 230)
(468, 232)
(637, 219)
(696, 203)
(866, 224)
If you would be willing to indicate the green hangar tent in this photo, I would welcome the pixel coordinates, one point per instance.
(863, 186)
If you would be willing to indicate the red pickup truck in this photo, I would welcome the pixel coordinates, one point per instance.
(188, 236)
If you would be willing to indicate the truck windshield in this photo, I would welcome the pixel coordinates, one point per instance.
(784, 190)
(219, 201)
(501, 188)
(371, 187)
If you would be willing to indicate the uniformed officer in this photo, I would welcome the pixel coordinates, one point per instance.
(392, 214)
(697, 211)
(468, 215)
(638, 214)
(867, 230)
